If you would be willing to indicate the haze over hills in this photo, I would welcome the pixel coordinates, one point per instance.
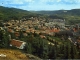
(18, 11)
(10, 11)
(6, 10)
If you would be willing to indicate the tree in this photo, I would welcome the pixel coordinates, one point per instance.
(45, 49)
(74, 52)
(29, 48)
(1, 37)
(6, 41)
(67, 49)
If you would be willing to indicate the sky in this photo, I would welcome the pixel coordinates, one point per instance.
(38, 5)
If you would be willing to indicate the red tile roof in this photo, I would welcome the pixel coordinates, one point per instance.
(16, 43)
(17, 34)
(55, 30)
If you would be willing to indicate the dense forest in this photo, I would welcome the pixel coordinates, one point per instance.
(51, 47)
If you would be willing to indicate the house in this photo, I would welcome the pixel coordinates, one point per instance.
(55, 30)
(17, 34)
(17, 43)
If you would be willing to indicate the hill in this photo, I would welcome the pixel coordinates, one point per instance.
(7, 13)
(71, 16)
(60, 12)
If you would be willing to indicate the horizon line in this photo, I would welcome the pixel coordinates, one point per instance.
(41, 9)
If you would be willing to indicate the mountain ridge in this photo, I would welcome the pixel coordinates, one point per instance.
(58, 11)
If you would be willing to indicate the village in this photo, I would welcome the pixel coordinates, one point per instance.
(22, 34)
(39, 25)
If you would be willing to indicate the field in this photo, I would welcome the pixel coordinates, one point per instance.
(7, 54)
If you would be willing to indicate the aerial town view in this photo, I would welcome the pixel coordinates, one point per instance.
(44, 29)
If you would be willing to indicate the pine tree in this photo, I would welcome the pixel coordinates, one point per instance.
(74, 52)
(6, 41)
(29, 48)
(67, 50)
(1, 37)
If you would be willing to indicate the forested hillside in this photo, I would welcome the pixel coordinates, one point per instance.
(71, 12)
(71, 16)
(13, 13)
